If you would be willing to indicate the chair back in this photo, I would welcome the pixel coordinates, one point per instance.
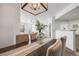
(55, 49)
(63, 40)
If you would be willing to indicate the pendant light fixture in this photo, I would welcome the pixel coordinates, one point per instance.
(35, 8)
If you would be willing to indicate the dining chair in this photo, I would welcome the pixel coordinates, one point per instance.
(63, 40)
(55, 49)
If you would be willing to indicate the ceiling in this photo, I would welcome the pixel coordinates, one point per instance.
(55, 8)
(72, 15)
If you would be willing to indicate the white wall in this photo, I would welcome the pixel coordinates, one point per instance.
(10, 18)
(9, 23)
(31, 19)
(76, 21)
(68, 25)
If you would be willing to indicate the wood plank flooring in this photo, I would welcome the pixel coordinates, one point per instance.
(69, 52)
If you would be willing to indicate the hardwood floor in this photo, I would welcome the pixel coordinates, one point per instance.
(69, 52)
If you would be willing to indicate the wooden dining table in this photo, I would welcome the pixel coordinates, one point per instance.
(34, 49)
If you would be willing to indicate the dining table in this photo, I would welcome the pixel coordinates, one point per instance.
(33, 49)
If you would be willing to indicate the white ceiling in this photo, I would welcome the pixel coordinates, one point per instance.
(72, 15)
(55, 8)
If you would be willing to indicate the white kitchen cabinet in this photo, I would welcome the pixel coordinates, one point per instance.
(70, 43)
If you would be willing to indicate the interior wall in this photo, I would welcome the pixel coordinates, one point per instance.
(9, 23)
(68, 25)
(30, 19)
(75, 21)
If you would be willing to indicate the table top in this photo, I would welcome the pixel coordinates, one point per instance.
(26, 49)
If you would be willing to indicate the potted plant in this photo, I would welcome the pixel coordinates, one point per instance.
(40, 27)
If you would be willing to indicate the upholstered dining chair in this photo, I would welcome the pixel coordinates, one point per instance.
(63, 40)
(55, 49)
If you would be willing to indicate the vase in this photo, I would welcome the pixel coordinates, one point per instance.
(40, 37)
(40, 41)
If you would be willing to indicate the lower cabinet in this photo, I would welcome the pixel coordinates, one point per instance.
(77, 42)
